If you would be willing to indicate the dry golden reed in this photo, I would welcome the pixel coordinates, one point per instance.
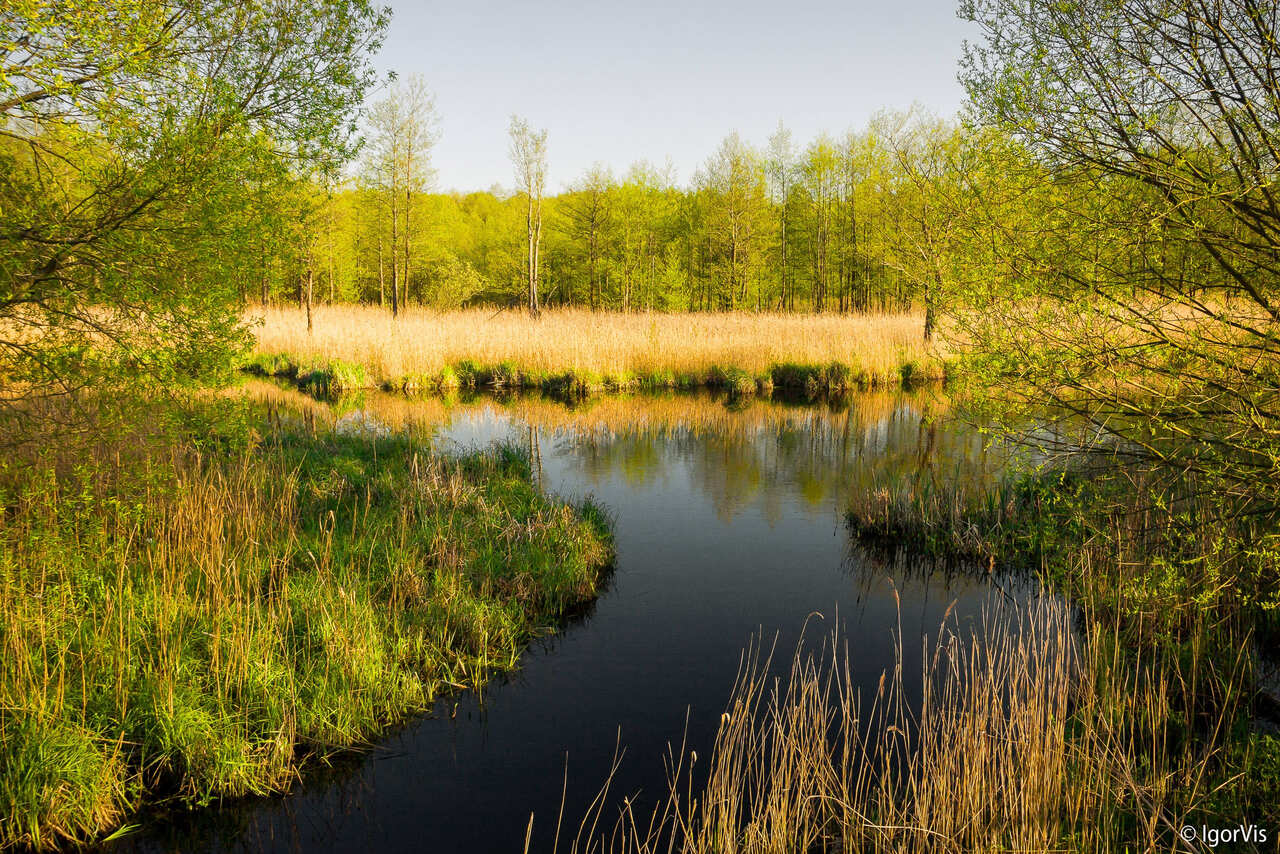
(422, 341)
(1027, 736)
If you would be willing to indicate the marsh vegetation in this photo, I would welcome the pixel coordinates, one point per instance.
(576, 352)
(728, 517)
(191, 614)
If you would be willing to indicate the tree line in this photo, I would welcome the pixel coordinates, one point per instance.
(835, 225)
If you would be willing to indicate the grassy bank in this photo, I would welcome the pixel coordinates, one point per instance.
(1176, 603)
(579, 352)
(192, 618)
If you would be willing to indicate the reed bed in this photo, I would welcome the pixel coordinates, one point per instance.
(190, 620)
(366, 346)
(1020, 735)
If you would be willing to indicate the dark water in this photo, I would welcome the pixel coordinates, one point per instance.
(729, 522)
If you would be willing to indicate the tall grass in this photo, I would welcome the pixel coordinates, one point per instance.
(1017, 520)
(586, 351)
(191, 618)
(1024, 736)
(1174, 581)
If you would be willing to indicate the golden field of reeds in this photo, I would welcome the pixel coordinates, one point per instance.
(655, 349)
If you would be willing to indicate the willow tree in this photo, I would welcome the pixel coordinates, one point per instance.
(1158, 125)
(136, 138)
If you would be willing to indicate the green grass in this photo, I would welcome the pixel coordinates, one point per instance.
(191, 619)
(1022, 520)
(834, 378)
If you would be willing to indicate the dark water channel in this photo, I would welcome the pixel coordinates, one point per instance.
(729, 522)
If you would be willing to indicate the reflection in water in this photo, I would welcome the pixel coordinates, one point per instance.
(729, 524)
(741, 452)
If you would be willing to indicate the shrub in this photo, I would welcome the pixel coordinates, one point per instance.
(447, 379)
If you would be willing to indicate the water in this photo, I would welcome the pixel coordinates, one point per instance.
(729, 524)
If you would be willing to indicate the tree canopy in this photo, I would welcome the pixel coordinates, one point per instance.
(148, 150)
(1143, 140)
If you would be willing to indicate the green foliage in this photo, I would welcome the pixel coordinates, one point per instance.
(447, 379)
(270, 364)
(834, 377)
(336, 377)
(503, 375)
(1158, 594)
(1030, 520)
(146, 184)
(468, 374)
(1136, 308)
(910, 370)
(846, 228)
(1257, 757)
(347, 376)
(412, 384)
(839, 377)
(735, 380)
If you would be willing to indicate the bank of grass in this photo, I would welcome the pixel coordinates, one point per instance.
(1170, 590)
(571, 352)
(192, 613)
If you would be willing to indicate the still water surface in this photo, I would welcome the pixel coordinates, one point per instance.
(729, 522)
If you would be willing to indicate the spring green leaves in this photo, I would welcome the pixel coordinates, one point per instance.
(142, 147)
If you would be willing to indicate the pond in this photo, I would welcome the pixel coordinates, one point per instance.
(730, 523)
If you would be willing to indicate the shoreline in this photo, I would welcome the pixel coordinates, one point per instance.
(322, 378)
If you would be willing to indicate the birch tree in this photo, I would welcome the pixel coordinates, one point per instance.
(404, 127)
(529, 156)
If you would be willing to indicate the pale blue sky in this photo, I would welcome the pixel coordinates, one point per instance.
(619, 81)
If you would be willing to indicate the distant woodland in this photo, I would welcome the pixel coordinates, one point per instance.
(839, 224)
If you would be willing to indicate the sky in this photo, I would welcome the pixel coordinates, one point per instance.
(616, 82)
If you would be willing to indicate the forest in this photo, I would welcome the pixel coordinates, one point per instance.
(838, 225)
